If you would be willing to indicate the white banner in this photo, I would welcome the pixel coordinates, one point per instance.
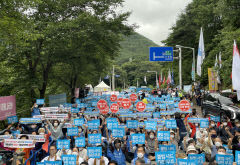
(37, 138)
(49, 109)
(18, 143)
(56, 116)
(42, 117)
(5, 137)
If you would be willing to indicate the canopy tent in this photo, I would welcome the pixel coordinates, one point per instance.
(102, 87)
(89, 86)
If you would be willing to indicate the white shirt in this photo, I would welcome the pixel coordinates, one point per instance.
(91, 161)
(51, 159)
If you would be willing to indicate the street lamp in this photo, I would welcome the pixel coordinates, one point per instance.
(180, 63)
(156, 76)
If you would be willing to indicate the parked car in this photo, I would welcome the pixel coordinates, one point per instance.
(219, 105)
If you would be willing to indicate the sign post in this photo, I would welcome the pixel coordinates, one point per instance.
(164, 54)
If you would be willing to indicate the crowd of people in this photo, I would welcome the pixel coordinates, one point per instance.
(188, 138)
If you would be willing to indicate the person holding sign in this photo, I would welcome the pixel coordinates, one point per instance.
(140, 156)
(56, 129)
(117, 153)
(52, 156)
(35, 110)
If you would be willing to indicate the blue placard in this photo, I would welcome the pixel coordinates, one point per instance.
(40, 163)
(162, 106)
(164, 54)
(132, 124)
(78, 122)
(237, 157)
(77, 101)
(81, 105)
(80, 142)
(193, 120)
(72, 131)
(112, 120)
(172, 124)
(204, 123)
(12, 119)
(118, 133)
(69, 159)
(224, 159)
(186, 162)
(52, 162)
(93, 124)
(94, 138)
(63, 144)
(94, 152)
(167, 147)
(150, 125)
(167, 157)
(215, 118)
(112, 125)
(40, 101)
(156, 115)
(228, 151)
(138, 138)
(199, 157)
(163, 135)
(30, 120)
(74, 110)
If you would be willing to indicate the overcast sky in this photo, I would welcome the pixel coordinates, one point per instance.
(154, 17)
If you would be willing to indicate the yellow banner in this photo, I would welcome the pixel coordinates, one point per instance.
(212, 79)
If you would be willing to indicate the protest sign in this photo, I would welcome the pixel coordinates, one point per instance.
(215, 118)
(63, 144)
(56, 116)
(74, 110)
(36, 138)
(80, 142)
(40, 101)
(228, 151)
(171, 124)
(204, 123)
(167, 157)
(49, 109)
(30, 120)
(114, 108)
(184, 105)
(12, 119)
(156, 114)
(94, 138)
(2, 137)
(93, 124)
(133, 97)
(18, 143)
(52, 162)
(40, 163)
(7, 106)
(150, 125)
(78, 122)
(224, 159)
(132, 124)
(237, 157)
(186, 162)
(113, 98)
(138, 138)
(69, 159)
(193, 120)
(141, 106)
(163, 135)
(167, 147)
(199, 157)
(119, 102)
(118, 133)
(72, 131)
(56, 100)
(102, 104)
(126, 103)
(94, 152)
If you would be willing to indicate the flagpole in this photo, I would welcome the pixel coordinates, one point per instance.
(113, 80)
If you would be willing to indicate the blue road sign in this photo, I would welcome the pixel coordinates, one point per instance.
(161, 54)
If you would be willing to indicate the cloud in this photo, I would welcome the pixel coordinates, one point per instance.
(154, 17)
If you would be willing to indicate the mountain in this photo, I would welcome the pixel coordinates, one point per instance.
(136, 47)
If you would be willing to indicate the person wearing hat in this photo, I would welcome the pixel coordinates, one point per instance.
(174, 139)
(191, 150)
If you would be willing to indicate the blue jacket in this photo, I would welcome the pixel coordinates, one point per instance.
(116, 155)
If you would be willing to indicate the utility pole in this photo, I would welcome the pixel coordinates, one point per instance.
(180, 68)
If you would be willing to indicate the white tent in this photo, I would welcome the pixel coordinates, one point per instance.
(102, 87)
(90, 87)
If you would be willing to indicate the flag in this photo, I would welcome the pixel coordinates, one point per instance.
(172, 81)
(169, 77)
(236, 69)
(163, 80)
(201, 53)
(145, 79)
(216, 62)
(220, 60)
(193, 73)
(159, 80)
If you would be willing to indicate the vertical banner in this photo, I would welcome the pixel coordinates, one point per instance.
(212, 79)
(7, 107)
(76, 92)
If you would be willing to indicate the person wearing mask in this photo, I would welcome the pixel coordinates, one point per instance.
(140, 156)
(224, 132)
(236, 126)
(56, 129)
(35, 110)
(182, 128)
(99, 161)
(117, 154)
(191, 150)
(75, 151)
(217, 143)
(53, 154)
(130, 147)
(150, 144)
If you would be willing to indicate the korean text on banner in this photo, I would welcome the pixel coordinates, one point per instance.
(7, 106)
(18, 143)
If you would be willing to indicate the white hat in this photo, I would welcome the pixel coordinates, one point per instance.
(191, 148)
